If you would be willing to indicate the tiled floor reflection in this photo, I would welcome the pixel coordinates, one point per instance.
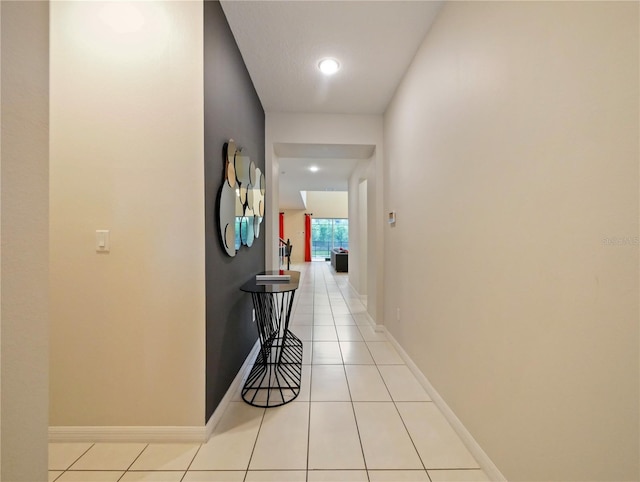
(361, 416)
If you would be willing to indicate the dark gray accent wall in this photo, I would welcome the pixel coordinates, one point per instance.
(231, 110)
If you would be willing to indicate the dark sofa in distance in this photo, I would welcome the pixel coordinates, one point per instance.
(340, 259)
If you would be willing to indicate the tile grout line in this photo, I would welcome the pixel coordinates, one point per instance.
(313, 296)
(133, 462)
(76, 460)
(393, 400)
(353, 408)
(255, 443)
(398, 412)
(192, 459)
(394, 404)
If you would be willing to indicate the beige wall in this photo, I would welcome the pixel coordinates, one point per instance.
(24, 259)
(294, 231)
(127, 328)
(332, 204)
(512, 161)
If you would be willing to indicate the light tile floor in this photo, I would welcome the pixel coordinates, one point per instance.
(361, 416)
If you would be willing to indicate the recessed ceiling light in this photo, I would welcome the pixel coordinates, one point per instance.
(313, 168)
(329, 66)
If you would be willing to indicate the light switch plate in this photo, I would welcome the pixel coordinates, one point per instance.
(102, 241)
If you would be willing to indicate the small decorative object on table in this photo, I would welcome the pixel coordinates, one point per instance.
(273, 277)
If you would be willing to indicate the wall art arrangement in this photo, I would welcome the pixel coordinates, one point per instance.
(242, 199)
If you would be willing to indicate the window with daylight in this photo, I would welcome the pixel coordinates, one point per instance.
(327, 234)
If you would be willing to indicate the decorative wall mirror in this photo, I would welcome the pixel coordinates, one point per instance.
(242, 197)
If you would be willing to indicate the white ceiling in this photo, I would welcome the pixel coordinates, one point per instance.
(335, 164)
(281, 43)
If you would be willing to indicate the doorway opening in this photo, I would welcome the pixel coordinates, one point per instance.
(327, 234)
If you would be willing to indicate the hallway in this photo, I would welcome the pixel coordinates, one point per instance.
(361, 416)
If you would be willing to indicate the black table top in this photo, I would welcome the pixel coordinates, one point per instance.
(253, 286)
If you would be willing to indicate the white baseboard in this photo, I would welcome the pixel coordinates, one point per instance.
(373, 324)
(363, 298)
(486, 464)
(160, 434)
(127, 434)
(238, 381)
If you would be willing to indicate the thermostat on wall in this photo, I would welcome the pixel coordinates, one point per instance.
(392, 217)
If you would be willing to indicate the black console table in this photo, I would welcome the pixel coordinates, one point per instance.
(277, 371)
